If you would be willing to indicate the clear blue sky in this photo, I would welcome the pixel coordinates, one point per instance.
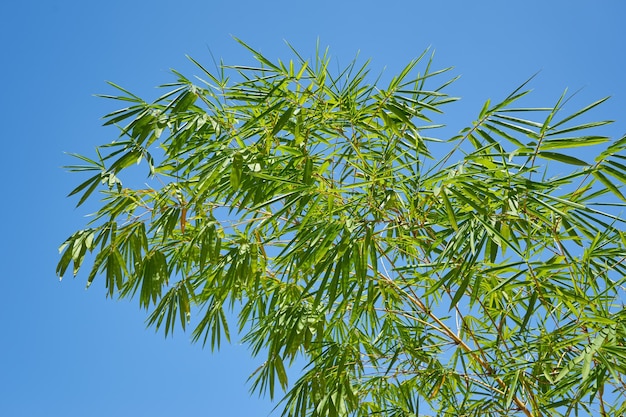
(69, 352)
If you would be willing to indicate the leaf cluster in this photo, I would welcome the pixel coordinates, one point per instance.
(478, 275)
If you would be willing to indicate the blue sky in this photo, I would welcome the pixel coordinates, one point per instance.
(70, 352)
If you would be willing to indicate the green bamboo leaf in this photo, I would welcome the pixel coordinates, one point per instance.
(573, 142)
(114, 275)
(612, 149)
(466, 278)
(282, 120)
(517, 128)
(562, 158)
(236, 171)
(449, 209)
(66, 257)
(569, 367)
(399, 112)
(134, 156)
(580, 112)
(259, 56)
(512, 389)
(608, 184)
(591, 350)
(617, 165)
(578, 128)
(91, 183)
(484, 110)
(183, 102)
(114, 118)
(505, 135)
(280, 372)
(619, 175)
(530, 310)
(129, 95)
(522, 122)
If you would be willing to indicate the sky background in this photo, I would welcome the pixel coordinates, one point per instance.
(69, 352)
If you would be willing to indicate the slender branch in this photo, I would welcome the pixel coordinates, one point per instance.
(456, 339)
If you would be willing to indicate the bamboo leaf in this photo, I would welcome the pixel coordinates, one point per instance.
(562, 158)
(282, 120)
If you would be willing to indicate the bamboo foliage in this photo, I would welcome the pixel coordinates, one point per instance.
(478, 275)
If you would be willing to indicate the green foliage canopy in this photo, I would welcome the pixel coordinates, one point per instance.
(478, 275)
